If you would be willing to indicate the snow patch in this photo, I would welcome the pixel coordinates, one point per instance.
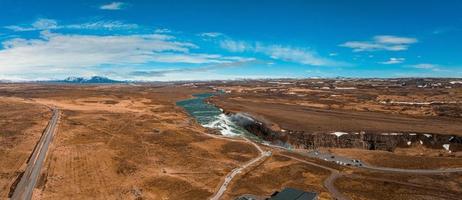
(446, 146)
(391, 134)
(345, 88)
(338, 134)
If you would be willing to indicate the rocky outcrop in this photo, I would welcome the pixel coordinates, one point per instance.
(360, 140)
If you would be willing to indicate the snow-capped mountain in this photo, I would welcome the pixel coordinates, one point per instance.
(93, 79)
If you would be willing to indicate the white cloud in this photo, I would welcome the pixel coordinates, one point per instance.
(55, 52)
(389, 39)
(333, 54)
(193, 58)
(294, 55)
(107, 25)
(162, 30)
(17, 28)
(279, 52)
(39, 24)
(393, 61)
(380, 43)
(362, 46)
(425, 66)
(112, 6)
(50, 24)
(236, 46)
(43, 24)
(443, 30)
(211, 34)
(434, 67)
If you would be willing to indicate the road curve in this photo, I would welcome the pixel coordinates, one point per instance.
(26, 185)
(329, 182)
(234, 172)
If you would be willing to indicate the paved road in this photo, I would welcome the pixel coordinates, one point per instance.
(340, 160)
(26, 185)
(234, 172)
(329, 182)
(413, 171)
(336, 194)
(335, 174)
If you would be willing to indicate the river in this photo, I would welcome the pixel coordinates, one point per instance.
(239, 124)
(213, 117)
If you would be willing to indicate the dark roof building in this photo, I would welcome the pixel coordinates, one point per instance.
(294, 194)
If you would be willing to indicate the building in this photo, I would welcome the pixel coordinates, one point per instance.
(294, 194)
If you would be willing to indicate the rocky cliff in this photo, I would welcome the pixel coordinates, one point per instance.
(360, 140)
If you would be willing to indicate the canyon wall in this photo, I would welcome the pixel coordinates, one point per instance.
(360, 140)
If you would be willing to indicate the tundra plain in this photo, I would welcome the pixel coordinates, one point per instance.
(127, 141)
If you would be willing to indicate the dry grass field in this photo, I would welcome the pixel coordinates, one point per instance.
(277, 173)
(133, 142)
(373, 185)
(127, 143)
(21, 125)
(300, 117)
(397, 160)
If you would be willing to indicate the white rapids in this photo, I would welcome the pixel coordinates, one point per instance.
(224, 125)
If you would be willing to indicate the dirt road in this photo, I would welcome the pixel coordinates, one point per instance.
(25, 187)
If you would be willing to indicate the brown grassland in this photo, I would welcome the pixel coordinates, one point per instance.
(133, 142)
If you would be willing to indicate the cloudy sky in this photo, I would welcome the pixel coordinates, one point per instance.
(203, 40)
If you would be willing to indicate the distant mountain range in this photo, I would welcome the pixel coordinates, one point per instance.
(91, 80)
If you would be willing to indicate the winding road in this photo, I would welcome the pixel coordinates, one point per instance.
(234, 172)
(335, 174)
(329, 182)
(26, 185)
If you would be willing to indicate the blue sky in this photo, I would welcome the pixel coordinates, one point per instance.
(203, 40)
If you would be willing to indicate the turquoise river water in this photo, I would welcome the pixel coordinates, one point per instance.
(211, 116)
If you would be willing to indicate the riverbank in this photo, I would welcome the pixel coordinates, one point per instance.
(443, 149)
